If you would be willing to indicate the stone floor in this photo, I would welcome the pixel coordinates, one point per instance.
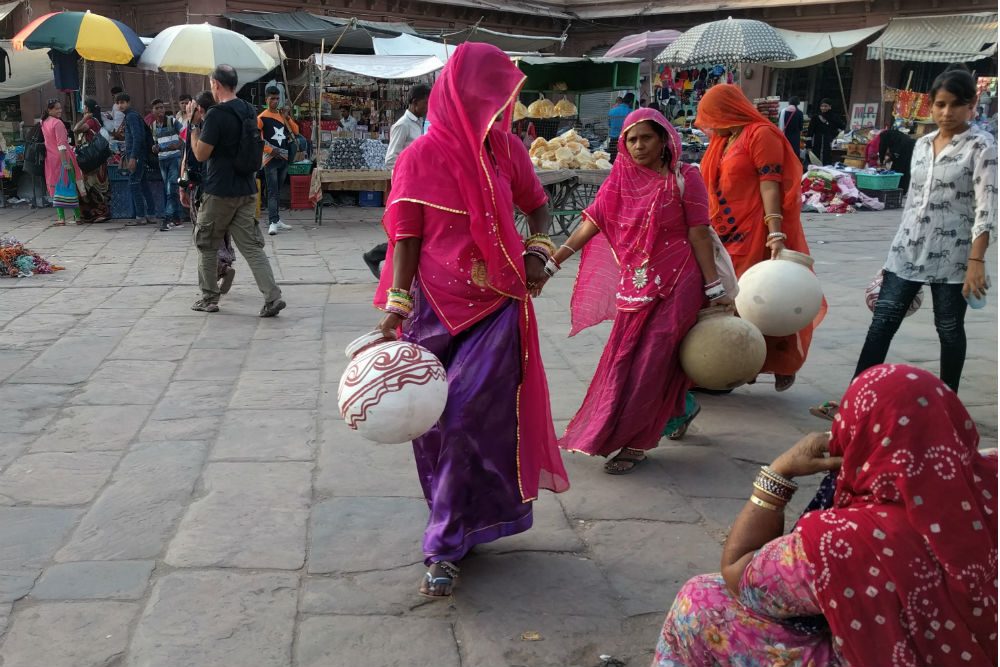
(177, 489)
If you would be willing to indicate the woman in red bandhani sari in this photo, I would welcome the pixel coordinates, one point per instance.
(754, 192)
(648, 263)
(457, 279)
(900, 572)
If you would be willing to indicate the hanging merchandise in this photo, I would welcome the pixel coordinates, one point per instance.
(911, 105)
(66, 70)
(5, 70)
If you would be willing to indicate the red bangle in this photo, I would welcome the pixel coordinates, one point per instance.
(976, 259)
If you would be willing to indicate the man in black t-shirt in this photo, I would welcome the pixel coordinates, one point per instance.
(229, 199)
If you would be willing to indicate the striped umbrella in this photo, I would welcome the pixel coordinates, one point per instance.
(93, 36)
(199, 49)
(727, 42)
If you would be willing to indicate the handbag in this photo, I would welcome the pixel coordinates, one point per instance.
(65, 194)
(875, 288)
(91, 155)
(34, 153)
(723, 262)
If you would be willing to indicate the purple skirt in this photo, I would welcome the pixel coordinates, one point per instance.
(468, 461)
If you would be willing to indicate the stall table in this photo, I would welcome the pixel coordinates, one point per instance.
(570, 191)
(324, 180)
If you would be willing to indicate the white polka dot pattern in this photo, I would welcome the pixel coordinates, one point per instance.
(910, 533)
(729, 41)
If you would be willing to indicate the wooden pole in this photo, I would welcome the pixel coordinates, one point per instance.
(881, 106)
(284, 74)
(840, 82)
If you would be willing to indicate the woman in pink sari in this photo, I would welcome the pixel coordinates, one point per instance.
(649, 265)
(456, 279)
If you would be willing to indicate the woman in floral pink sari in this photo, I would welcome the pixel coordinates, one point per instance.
(456, 282)
(649, 265)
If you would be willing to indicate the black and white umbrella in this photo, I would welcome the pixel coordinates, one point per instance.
(727, 42)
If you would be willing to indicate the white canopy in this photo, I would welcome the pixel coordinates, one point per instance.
(812, 48)
(381, 67)
(938, 39)
(411, 45)
(29, 69)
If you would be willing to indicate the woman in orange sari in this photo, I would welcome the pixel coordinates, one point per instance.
(754, 192)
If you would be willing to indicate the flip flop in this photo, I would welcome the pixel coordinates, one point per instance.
(681, 430)
(624, 457)
(448, 579)
(825, 411)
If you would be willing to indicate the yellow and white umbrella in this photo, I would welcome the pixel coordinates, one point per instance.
(199, 49)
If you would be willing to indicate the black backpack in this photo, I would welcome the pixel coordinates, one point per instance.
(34, 153)
(250, 150)
(151, 157)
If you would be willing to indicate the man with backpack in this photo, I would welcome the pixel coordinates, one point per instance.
(138, 147)
(227, 142)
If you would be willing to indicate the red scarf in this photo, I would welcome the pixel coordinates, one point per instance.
(906, 562)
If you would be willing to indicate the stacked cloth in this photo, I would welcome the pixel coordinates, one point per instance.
(826, 190)
(16, 261)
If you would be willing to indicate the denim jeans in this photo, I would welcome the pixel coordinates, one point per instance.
(142, 196)
(170, 170)
(274, 175)
(949, 318)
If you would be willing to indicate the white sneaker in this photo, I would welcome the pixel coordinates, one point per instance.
(282, 227)
(272, 229)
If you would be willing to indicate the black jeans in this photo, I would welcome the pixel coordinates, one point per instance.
(949, 319)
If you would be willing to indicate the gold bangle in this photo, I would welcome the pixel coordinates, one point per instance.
(766, 505)
(770, 494)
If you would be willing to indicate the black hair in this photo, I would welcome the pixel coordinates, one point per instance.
(51, 104)
(226, 77)
(205, 100)
(629, 99)
(664, 136)
(826, 100)
(793, 101)
(184, 97)
(419, 92)
(116, 90)
(122, 97)
(155, 102)
(958, 81)
(345, 106)
(92, 106)
(271, 91)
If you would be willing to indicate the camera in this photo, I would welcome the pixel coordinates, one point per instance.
(188, 179)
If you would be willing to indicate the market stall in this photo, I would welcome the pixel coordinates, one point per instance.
(355, 160)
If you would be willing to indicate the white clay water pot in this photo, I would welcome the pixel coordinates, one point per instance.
(722, 351)
(391, 392)
(780, 296)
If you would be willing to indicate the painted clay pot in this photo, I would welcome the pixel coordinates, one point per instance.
(722, 351)
(392, 391)
(781, 297)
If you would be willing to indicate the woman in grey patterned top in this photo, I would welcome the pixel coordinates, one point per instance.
(948, 219)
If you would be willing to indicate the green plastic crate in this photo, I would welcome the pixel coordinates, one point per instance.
(300, 168)
(878, 181)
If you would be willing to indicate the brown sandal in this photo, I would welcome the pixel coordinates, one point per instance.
(626, 461)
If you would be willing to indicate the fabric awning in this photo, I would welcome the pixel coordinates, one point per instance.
(381, 67)
(7, 8)
(313, 29)
(812, 48)
(30, 69)
(940, 39)
(411, 45)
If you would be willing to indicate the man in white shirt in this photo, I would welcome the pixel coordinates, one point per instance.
(404, 132)
(347, 121)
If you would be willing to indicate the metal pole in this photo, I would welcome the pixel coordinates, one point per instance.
(284, 74)
(881, 106)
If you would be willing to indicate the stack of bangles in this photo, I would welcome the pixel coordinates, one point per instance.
(774, 486)
(400, 302)
(715, 290)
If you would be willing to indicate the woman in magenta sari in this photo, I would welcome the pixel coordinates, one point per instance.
(648, 264)
(456, 280)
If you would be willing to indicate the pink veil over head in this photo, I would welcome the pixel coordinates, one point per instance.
(628, 199)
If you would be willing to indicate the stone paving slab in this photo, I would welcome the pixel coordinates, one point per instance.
(177, 488)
